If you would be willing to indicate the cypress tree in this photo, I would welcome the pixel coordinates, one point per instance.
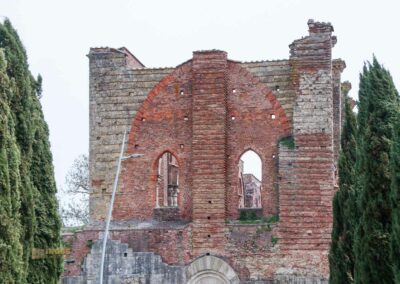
(378, 108)
(395, 198)
(11, 268)
(36, 208)
(341, 257)
(17, 70)
(48, 222)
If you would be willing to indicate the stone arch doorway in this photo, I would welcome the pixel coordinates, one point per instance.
(209, 277)
(210, 270)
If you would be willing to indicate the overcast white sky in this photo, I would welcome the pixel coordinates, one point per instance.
(57, 35)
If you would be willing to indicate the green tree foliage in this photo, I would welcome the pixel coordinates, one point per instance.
(27, 179)
(395, 196)
(341, 257)
(20, 104)
(378, 108)
(11, 268)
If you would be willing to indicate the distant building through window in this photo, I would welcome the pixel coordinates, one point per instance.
(250, 173)
(167, 181)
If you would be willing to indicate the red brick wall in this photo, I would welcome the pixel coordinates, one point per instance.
(189, 113)
(209, 151)
(252, 104)
(305, 194)
(163, 123)
(80, 247)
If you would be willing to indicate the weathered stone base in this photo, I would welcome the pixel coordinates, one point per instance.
(122, 265)
(161, 252)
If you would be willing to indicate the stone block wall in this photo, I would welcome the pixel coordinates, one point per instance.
(125, 266)
(306, 211)
(207, 112)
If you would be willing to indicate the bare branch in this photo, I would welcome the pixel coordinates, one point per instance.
(75, 214)
(77, 179)
(75, 208)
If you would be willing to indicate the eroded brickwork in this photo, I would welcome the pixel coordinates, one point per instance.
(306, 210)
(118, 87)
(206, 113)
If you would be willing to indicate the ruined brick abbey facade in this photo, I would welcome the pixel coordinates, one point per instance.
(175, 217)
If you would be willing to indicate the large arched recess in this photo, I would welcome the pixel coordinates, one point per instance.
(255, 121)
(163, 123)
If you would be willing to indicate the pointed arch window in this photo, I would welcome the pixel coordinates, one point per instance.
(250, 174)
(167, 190)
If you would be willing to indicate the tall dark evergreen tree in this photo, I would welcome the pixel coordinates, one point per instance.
(35, 209)
(48, 222)
(395, 196)
(378, 108)
(11, 265)
(20, 104)
(341, 257)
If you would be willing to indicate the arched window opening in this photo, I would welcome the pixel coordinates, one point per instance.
(167, 181)
(250, 173)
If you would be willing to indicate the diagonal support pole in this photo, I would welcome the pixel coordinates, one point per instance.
(110, 208)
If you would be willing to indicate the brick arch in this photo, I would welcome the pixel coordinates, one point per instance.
(280, 113)
(212, 266)
(277, 108)
(164, 109)
(246, 149)
(162, 114)
(253, 129)
(168, 150)
(162, 85)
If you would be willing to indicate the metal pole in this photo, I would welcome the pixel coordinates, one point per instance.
(110, 208)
